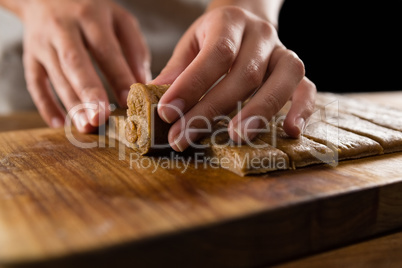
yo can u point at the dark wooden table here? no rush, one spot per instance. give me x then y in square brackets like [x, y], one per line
[314, 217]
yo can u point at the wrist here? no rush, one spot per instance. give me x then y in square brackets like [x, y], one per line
[265, 9]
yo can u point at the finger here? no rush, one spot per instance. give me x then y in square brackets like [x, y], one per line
[133, 44]
[41, 93]
[65, 92]
[107, 52]
[184, 53]
[286, 71]
[80, 73]
[303, 101]
[246, 75]
[217, 54]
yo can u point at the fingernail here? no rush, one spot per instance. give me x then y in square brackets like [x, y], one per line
[123, 97]
[82, 121]
[148, 74]
[57, 122]
[172, 111]
[184, 139]
[238, 132]
[179, 145]
[148, 77]
[92, 113]
[248, 128]
[97, 115]
[300, 123]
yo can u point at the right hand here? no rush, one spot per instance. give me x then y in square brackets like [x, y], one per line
[235, 43]
[59, 38]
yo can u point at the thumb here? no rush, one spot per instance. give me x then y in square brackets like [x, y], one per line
[184, 53]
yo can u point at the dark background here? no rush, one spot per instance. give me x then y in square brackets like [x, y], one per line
[346, 46]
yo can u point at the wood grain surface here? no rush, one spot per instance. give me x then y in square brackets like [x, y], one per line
[385, 251]
[21, 120]
[62, 205]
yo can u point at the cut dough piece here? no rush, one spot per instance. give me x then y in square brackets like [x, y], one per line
[117, 127]
[145, 131]
[301, 152]
[390, 140]
[346, 144]
[244, 159]
[380, 115]
[320, 142]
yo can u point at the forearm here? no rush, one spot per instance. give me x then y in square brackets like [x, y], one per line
[266, 9]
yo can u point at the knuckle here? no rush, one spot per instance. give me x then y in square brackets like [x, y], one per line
[296, 63]
[225, 50]
[88, 93]
[84, 10]
[105, 51]
[122, 16]
[311, 85]
[233, 13]
[71, 58]
[252, 74]
[211, 111]
[57, 23]
[197, 84]
[266, 29]
[272, 102]
[228, 13]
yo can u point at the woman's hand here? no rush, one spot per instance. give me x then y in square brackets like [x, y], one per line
[233, 42]
[61, 37]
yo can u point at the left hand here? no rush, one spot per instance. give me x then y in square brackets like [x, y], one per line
[233, 41]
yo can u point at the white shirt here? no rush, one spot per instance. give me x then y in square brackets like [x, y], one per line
[162, 23]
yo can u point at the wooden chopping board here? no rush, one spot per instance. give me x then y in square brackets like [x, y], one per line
[64, 205]
[58, 200]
